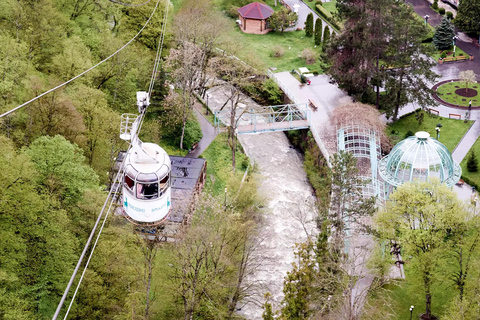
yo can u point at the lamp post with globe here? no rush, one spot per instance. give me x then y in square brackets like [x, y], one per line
[411, 312]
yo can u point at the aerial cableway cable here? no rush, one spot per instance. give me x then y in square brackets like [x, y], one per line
[86, 71]
[159, 53]
[109, 198]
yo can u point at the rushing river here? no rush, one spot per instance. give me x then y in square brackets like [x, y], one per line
[288, 213]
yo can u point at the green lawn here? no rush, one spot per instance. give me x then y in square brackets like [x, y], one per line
[405, 293]
[330, 6]
[447, 93]
[458, 52]
[450, 135]
[257, 49]
[472, 178]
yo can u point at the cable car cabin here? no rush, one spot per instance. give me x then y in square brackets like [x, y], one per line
[146, 184]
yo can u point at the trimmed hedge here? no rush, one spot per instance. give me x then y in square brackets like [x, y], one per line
[328, 16]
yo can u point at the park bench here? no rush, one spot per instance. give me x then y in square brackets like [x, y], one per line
[312, 105]
[458, 58]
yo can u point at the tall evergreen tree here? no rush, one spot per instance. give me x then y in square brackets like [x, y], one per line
[326, 37]
[472, 162]
[411, 69]
[318, 32]
[309, 25]
[442, 39]
[468, 16]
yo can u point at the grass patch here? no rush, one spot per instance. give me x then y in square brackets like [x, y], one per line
[458, 52]
[450, 134]
[404, 293]
[219, 164]
[329, 6]
[447, 93]
[293, 43]
[472, 178]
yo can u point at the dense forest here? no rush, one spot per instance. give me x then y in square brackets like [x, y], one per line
[57, 151]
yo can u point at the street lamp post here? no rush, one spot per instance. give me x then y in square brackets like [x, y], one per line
[208, 96]
[439, 125]
[225, 204]
[454, 46]
[411, 312]
[426, 18]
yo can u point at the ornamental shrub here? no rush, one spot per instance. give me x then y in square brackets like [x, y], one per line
[318, 32]
[472, 162]
[441, 11]
[450, 15]
[309, 25]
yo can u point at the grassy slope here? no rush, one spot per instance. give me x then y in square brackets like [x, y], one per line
[450, 134]
[408, 292]
[257, 50]
[219, 164]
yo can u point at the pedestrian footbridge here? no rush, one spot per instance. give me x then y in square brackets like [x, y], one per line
[265, 119]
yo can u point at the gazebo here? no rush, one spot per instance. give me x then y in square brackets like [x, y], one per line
[418, 158]
[253, 18]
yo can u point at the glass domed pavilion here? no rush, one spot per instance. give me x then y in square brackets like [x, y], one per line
[418, 158]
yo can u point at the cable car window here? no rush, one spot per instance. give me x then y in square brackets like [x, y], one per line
[129, 182]
[147, 190]
[164, 182]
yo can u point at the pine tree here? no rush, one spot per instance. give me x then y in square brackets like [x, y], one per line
[318, 32]
[472, 162]
[309, 25]
[444, 35]
[326, 37]
[468, 17]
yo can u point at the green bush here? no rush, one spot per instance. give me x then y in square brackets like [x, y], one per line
[327, 16]
[441, 11]
[271, 92]
[318, 3]
[443, 55]
[449, 15]
[309, 25]
[435, 5]
[409, 134]
[193, 134]
[232, 12]
[472, 162]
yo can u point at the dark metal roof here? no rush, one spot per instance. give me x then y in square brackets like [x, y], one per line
[256, 10]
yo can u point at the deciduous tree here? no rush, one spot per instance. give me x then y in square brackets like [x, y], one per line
[468, 16]
[282, 19]
[422, 216]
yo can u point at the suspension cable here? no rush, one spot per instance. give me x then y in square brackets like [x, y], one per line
[86, 71]
[159, 50]
[72, 278]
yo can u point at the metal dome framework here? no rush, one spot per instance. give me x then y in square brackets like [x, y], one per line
[419, 158]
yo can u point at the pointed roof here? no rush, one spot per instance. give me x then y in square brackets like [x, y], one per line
[256, 10]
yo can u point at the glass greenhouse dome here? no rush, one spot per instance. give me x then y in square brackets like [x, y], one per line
[418, 158]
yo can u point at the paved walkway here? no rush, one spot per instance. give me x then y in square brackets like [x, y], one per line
[208, 132]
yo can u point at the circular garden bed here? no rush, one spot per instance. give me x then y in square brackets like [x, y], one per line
[453, 93]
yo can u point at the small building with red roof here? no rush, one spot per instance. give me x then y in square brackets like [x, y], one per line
[253, 18]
